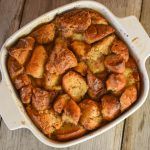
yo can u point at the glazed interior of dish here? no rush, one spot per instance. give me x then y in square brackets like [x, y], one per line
[73, 74]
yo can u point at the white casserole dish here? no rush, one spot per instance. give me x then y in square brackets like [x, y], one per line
[128, 28]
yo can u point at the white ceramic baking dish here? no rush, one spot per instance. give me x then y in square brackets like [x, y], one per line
[128, 28]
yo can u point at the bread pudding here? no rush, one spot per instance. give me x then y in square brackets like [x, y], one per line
[73, 74]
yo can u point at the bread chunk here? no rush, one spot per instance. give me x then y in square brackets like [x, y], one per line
[96, 32]
[21, 81]
[40, 99]
[116, 82]
[81, 68]
[61, 102]
[52, 81]
[44, 34]
[120, 48]
[74, 85]
[80, 48]
[71, 113]
[61, 58]
[14, 68]
[90, 114]
[22, 49]
[96, 86]
[26, 94]
[35, 67]
[96, 18]
[100, 48]
[128, 97]
[96, 66]
[115, 63]
[110, 107]
[73, 21]
[69, 132]
[47, 121]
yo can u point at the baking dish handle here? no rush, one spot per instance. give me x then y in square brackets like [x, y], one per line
[9, 110]
[137, 35]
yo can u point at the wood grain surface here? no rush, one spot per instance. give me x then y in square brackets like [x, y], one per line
[132, 134]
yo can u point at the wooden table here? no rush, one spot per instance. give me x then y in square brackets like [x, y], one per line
[132, 134]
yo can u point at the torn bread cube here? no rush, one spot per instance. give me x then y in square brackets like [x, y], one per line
[115, 63]
[21, 81]
[41, 99]
[35, 67]
[128, 97]
[120, 48]
[101, 48]
[44, 34]
[60, 102]
[96, 18]
[71, 112]
[96, 32]
[90, 114]
[61, 58]
[110, 107]
[80, 48]
[73, 21]
[52, 81]
[74, 85]
[47, 121]
[96, 86]
[22, 49]
[26, 94]
[14, 68]
[96, 66]
[81, 68]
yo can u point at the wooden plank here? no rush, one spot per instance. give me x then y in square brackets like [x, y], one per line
[22, 138]
[137, 127]
[10, 16]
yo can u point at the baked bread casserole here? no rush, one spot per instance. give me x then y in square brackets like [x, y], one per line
[73, 74]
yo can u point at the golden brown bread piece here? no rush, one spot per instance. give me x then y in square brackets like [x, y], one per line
[100, 48]
[26, 94]
[61, 58]
[128, 97]
[115, 63]
[96, 18]
[14, 68]
[60, 102]
[110, 107]
[96, 86]
[71, 113]
[52, 81]
[35, 67]
[22, 49]
[90, 114]
[21, 81]
[116, 82]
[44, 34]
[41, 99]
[96, 66]
[81, 68]
[47, 121]
[131, 73]
[69, 132]
[80, 48]
[73, 21]
[120, 48]
[96, 32]
[74, 85]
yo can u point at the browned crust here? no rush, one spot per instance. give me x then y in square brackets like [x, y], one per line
[35, 67]
[75, 85]
[61, 58]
